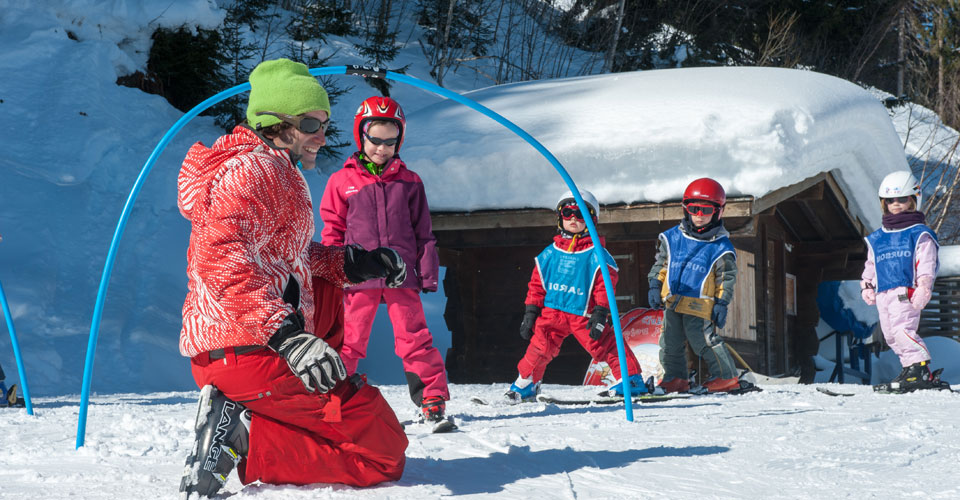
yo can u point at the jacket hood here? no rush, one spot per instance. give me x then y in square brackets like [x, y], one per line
[204, 166]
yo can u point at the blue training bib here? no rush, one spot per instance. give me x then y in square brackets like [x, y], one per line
[894, 253]
[568, 277]
[689, 261]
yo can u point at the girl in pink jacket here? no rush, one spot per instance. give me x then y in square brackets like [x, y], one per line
[374, 199]
[898, 276]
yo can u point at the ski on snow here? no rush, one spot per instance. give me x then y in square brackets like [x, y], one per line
[828, 392]
[443, 426]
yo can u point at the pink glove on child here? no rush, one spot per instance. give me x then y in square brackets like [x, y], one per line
[921, 294]
[868, 292]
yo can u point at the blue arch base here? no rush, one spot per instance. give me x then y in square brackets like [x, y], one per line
[332, 70]
[16, 351]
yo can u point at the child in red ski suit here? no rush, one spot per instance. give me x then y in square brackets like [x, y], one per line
[898, 277]
[375, 200]
[261, 317]
[565, 295]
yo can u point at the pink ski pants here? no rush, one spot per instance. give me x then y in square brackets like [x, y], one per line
[422, 362]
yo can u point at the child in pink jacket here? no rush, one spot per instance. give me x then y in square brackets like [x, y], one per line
[898, 277]
[375, 199]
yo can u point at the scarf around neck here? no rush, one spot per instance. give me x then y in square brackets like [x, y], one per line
[903, 220]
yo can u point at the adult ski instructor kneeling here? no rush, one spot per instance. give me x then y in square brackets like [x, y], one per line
[275, 401]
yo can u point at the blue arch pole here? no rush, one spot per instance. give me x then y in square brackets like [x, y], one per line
[331, 70]
[16, 350]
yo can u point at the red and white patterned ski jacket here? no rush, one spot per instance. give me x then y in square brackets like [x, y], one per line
[252, 226]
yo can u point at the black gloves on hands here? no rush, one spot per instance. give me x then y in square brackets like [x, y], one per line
[308, 356]
[598, 321]
[653, 296]
[530, 315]
[719, 314]
[360, 265]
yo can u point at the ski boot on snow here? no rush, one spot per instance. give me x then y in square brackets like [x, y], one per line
[637, 387]
[517, 394]
[914, 377]
[718, 384]
[675, 384]
[433, 409]
[222, 440]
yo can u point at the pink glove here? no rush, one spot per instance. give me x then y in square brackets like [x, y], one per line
[868, 292]
[921, 294]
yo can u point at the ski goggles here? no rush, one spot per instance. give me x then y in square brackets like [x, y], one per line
[900, 199]
[305, 124]
[377, 141]
[700, 209]
[572, 212]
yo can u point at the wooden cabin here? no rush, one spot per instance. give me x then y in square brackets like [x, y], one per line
[787, 241]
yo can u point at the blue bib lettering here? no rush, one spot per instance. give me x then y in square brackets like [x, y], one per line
[690, 261]
[894, 253]
[568, 277]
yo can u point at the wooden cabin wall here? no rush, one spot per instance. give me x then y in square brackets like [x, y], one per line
[486, 288]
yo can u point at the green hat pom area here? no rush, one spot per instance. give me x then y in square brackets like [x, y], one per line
[283, 86]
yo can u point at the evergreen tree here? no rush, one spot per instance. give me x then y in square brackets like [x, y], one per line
[308, 32]
[453, 30]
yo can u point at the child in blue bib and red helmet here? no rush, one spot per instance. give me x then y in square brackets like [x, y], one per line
[898, 277]
[565, 295]
[692, 279]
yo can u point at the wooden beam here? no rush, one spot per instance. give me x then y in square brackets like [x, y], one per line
[845, 204]
[816, 248]
[814, 220]
[785, 193]
[644, 212]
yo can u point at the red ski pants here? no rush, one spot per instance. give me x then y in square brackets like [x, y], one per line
[349, 435]
[552, 328]
[423, 364]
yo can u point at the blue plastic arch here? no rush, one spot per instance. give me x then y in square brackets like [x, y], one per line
[331, 70]
[16, 350]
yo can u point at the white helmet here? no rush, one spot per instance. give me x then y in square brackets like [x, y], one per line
[900, 183]
[587, 197]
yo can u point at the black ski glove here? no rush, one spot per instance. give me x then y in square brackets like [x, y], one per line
[598, 321]
[530, 315]
[719, 313]
[317, 364]
[360, 265]
[654, 295]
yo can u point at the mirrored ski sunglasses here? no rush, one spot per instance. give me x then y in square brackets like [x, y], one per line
[572, 212]
[305, 124]
[377, 141]
[699, 209]
[900, 199]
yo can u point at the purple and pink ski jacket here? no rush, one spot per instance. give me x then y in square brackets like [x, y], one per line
[386, 210]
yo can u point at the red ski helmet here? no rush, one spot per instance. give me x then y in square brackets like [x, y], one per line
[378, 108]
[705, 189]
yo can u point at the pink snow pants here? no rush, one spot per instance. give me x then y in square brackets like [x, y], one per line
[899, 322]
[422, 362]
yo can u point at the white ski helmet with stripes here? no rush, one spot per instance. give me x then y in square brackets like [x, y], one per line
[900, 183]
[587, 196]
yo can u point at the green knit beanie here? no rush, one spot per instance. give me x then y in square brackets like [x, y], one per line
[283, 86]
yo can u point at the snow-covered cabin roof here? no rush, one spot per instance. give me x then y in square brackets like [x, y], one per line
[643, 136]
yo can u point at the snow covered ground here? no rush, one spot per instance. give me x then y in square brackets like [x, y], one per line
[788, 441]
